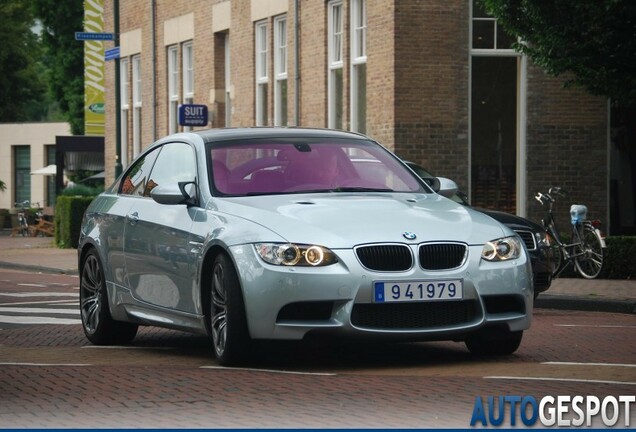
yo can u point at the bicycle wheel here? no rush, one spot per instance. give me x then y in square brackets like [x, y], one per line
[590, 263]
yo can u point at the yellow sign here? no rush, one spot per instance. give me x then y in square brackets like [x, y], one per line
[94, 79]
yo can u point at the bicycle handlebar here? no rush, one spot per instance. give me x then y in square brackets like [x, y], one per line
[543, 198]
[557, 191]
[548, 197]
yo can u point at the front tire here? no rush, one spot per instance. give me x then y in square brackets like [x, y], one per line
[99, 327]
[228, 323]
[494, 342]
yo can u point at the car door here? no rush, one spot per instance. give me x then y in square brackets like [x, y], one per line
[158, 266]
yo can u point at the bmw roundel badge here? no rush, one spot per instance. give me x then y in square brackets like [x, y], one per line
[409, 235]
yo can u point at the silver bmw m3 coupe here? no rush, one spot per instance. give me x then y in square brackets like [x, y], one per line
[277, 233]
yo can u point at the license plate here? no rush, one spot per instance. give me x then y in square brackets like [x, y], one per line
[417, 291]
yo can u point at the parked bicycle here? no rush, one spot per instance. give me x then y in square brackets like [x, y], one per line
[586, 243]
[23, 225]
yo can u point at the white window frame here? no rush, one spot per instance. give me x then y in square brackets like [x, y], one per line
[335, 59]
[188, 76]
[228, 87]
[494, 50]
[280, 70]
[358, 57]
[136, 102]
[262, 78]
[522, 109]
[173, 89]
[125, 108]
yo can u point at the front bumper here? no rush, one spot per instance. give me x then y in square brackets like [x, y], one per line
[289, 302]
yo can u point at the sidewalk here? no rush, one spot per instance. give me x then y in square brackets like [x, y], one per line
[603, 295]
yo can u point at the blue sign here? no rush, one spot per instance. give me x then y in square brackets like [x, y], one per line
[111, 54]
[193, 115]
[94, 36]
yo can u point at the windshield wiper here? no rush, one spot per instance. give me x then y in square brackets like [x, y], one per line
[360, 189]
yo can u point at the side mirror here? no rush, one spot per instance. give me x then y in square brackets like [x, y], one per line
[447, 187]
[174, 194]
[432, 182]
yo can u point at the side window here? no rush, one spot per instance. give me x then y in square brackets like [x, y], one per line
[176, 163]
[135, 180]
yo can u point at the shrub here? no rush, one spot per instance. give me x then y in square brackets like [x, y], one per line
[619, 260]
[69, 211]
[82, 190]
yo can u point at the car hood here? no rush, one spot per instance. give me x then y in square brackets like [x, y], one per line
[512, 221]
[343, 220]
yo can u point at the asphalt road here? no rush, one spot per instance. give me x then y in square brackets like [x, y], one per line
[50, 376]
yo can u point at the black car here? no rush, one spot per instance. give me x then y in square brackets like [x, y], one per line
[536, 238]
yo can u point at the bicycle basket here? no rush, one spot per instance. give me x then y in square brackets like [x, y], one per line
[578, 213]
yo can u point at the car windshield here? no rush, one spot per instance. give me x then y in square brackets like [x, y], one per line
[261, 167]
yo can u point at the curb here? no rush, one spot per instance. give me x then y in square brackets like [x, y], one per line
[40, 269]
[585, 304]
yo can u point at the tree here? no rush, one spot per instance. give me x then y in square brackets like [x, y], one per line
[64, 56]
[594, 40]
[22, 86]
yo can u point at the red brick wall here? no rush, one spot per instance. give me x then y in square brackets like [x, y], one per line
[567, 145]
[431, 86]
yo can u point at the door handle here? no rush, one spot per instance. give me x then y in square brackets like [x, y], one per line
[132, 218]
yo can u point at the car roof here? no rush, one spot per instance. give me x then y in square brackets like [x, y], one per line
[212, 135]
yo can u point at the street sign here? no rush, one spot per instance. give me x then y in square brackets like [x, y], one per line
[94, 36]
[193, 115]
[111, 54]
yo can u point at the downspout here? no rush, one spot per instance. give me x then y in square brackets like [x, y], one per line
[153, 31]
[118, 167]
[297, 62]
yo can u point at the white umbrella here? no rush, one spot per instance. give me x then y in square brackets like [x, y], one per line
[50, 170]
[99, 175]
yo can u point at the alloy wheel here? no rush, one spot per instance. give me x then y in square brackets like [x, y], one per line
[219, 310]
[91, 287]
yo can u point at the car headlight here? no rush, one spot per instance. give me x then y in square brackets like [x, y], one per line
[502, 249]
[289, 254]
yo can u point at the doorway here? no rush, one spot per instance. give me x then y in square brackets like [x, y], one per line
[494, 132]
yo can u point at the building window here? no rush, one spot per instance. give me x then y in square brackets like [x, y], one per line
[262, 79]
[125, 109]
[335, 94]
[173, 89]
[359, 66]
[136, 101]
[22, 170]
[188, 76]
[280, 71]
[487, 33]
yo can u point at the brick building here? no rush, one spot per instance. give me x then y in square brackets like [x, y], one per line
[435, 81]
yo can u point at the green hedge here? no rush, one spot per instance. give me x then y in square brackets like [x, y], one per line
[69, 211]
[619, 262]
